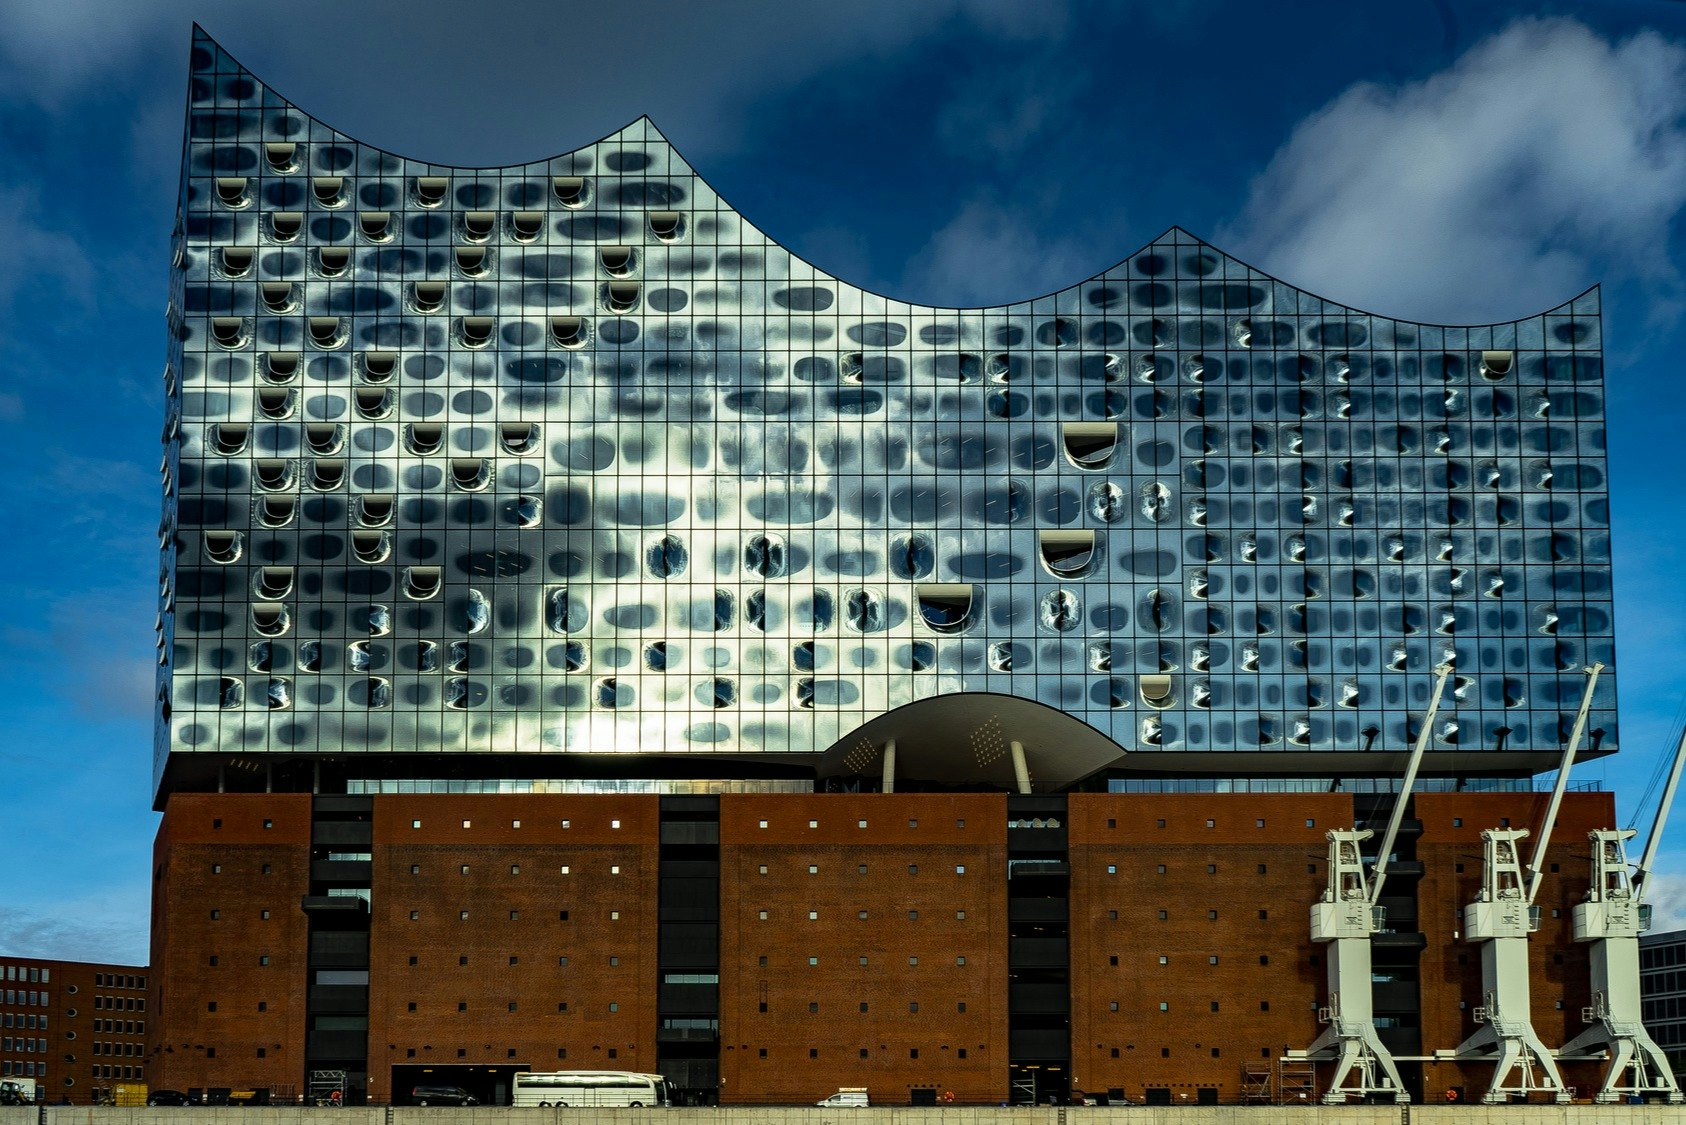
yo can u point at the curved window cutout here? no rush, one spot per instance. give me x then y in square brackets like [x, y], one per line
[427, 296]
[922, 656]
[456, 694]
[270, 619]
[273, 475]
[667, 226]
[371, 546]
[851, 367]
[1060, 610]
[325, 476]
[432, 190]
[473, 261]
[961, 368]
[1000, 368]
[1242, 333]
[1108, 502]
[724, 610]
[231, 692]
[477, 226]
[260, 657]
[1155, 689]
[237, 260]
[667, 557]
[357, 656]
[1068, 554]
[620, 296]
[528, 510]
[475, 331]
[424, 438]
[374, 509]
[1057, 333]
[611, 693]
[912, 556]
[946, 607]
[1001, 656]
[1156, 502]
[571, 191]
[717, 693]
[285, 226]
[864, 610]
[471, 474]
[276, 402]
[230, 438]
[805, 693]
[570, 331]
[477, 613]
[229, 331]
[802, 656]
[1100, 656]
[325, 438]
[427, 656]
[376, 692]
[280, 367]
[1496, 365]
[327, 332]
[1089, 445]
[283, 156]
[755, 610]
[224, 547]
[576, 657]
[526, 226]
[309, 658]
[618, 261]
[272, 583]
[278, 296]
[328, 190]
[764, 556]
[375, 225]
[333, 261]
[456, 657]
[422, 582]
[520, 438]
[276, 511]
[232, 193]
[564, 615]
[375, 402]
[379, 367]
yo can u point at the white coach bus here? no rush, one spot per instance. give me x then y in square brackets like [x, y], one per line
[603, 1088]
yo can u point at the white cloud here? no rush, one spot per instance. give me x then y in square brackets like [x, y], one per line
[1496, 188]
[1666, 892]
[108, 923]
[988, 254]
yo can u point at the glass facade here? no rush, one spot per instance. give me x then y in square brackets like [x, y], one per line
[569, 457]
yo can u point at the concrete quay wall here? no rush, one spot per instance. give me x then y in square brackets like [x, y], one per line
[951, 1115]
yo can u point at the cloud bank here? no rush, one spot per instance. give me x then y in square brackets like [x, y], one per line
[1496, 188]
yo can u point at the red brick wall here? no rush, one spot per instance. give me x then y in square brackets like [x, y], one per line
[809, 1040]
[1118, 844]
[87, 1017]
[221, 861]
[511, 947]
[1451, 968]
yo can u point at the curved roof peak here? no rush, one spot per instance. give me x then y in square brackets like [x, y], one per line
[639, 149]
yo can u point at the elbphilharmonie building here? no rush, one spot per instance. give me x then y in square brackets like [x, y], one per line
[569, 594]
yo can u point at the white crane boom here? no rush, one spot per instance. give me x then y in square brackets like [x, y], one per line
[1536, 864]
[1392, 834]
[1654, 841]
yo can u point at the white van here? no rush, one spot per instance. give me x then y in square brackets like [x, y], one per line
[850, 1097]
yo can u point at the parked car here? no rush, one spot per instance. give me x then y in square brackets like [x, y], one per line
[442, 1095]
[169, 1097]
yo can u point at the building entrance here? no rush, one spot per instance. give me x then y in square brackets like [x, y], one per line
[488, 1085]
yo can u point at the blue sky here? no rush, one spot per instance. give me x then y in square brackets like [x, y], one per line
[1428, 159]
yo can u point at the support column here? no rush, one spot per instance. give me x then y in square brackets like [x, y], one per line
[1021, 771]
[889, 783]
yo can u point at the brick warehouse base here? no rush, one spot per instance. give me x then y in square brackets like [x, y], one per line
[771, 949]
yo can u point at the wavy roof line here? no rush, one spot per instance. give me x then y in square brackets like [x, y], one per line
[1174, 234]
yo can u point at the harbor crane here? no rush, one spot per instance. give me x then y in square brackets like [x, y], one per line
[1346, 917]
[1500, 920]
[1611, 919]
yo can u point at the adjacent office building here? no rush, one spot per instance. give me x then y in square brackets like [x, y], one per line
[78, 1029]
[591, 636]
